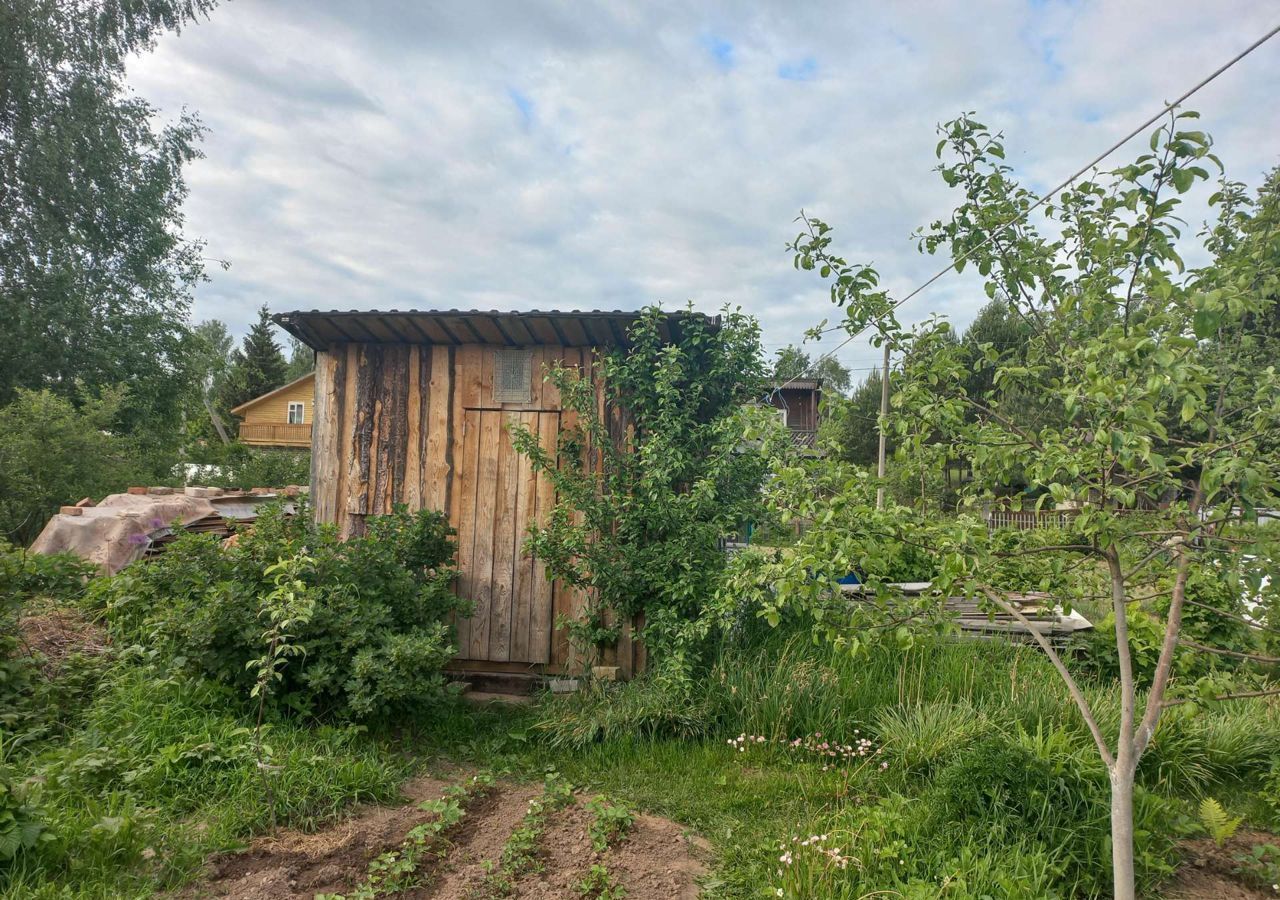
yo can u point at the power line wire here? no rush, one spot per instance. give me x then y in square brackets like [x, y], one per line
[1066, 183]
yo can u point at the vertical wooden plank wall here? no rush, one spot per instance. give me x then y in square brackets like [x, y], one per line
[416, 424]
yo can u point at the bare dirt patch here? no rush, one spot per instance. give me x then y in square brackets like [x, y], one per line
[1207, 872]
[296, 865]
[658, 859]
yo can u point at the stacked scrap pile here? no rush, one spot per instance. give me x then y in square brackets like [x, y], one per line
[984, 621]
[141, 523]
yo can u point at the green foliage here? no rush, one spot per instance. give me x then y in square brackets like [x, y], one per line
[237, 465]
[286, 608]
[302, 360]
[24, 577]
[520, 851]
[397, 870]
[598, 884]
[95, 274]
[846, 535]
[379, 635]
[258, 367]
[20, 829]
[158, 770]
[918, 739]
[55, 451]
[851, 427]
[1148, 386]
[610, 822]
[794, 362]
[639, 516]
[659, 703]
[1216, 822]
[1259, 866]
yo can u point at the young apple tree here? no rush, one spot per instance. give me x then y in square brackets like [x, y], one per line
[1157, 410]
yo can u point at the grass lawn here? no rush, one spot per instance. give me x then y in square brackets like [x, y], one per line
[976, 778]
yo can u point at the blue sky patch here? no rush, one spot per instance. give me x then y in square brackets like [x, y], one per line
[523, 103]
[721, 49]
[801, 70]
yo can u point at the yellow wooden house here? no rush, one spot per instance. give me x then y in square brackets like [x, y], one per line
[280, 418]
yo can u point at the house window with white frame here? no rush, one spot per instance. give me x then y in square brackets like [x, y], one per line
[296, 415]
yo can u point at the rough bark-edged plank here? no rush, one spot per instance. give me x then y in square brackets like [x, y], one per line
[439, 437]
[424, 422]
[346, 438]
[522, 637]
[505, 530]
[540, 620]
[468, 432]
[467, 371]
[323, 439]
[414, 419]
[340, 423]
[393, 437]
[362, 419]
[482, 560]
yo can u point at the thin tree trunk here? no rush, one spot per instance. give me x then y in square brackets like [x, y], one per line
[213, 417]
[884, 426]
[1122, 830]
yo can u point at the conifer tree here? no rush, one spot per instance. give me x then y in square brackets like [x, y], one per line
[259, 364]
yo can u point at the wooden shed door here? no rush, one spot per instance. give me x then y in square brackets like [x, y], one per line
[500, 496]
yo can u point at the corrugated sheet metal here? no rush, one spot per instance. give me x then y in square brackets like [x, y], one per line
[595, 328]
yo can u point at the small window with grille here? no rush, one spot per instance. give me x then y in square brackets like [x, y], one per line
[512, 376]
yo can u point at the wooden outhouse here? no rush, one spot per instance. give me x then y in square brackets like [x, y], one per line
[416, 408]
[798, 401]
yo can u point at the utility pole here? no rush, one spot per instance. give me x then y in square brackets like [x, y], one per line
[884, 424]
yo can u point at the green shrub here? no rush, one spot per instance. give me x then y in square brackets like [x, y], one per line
[239, 465]
[23, 577]
[54, 451]
[375, 645]
[1057, 799]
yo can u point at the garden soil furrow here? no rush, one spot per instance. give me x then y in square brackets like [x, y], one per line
[566, 855]
[293, 865]
[654, 861]
[480, 838]
[657, 860]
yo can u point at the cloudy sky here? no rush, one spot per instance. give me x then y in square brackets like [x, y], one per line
[574, 155]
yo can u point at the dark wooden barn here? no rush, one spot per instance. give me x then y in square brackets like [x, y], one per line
[417, 408]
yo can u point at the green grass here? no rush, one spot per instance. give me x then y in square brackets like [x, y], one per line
[940, 820]
[159, 771]
[979, 778]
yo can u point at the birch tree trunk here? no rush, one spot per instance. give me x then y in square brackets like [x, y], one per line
[1122, 831]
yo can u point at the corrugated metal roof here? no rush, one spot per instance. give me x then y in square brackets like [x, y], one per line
[320, 329]
[799, 384]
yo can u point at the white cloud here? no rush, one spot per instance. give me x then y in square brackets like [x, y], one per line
[565, 155]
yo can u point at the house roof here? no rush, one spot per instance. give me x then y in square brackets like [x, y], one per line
[799, 384]
[269, 394]
[594, 328]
